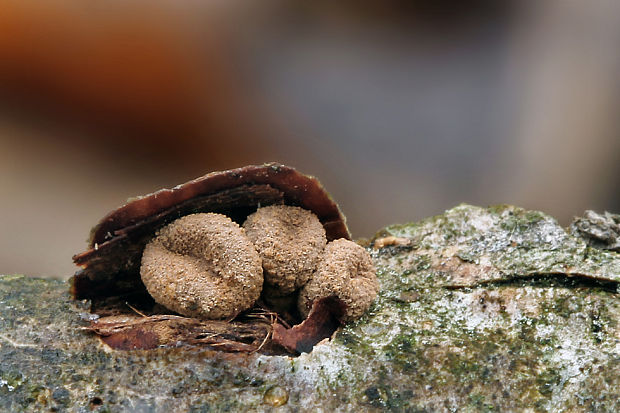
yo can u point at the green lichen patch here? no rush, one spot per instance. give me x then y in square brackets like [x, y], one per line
[476, 245]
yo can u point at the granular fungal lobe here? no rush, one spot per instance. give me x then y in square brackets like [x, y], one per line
[346, 272]
[290, 240]
[203, 266]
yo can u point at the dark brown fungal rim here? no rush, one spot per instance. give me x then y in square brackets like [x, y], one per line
[110, 268]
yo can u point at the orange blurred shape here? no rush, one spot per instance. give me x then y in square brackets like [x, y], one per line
[136, 67]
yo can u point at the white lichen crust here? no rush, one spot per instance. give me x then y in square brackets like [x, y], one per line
[347, 272]
[203, 266]
[290, 241]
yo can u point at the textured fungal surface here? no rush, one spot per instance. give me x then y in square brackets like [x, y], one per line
[484, 309]
[290, 240]
[202, 265]
[345, 271]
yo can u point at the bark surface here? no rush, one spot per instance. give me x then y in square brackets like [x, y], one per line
[480, 309]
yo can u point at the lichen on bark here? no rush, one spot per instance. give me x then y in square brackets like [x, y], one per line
[480, 310]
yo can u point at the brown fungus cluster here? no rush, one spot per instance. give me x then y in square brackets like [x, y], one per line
[241, 255]
[205, 266]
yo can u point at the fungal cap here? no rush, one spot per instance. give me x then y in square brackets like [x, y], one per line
[290, 241]
[203, 266]
[346, 272]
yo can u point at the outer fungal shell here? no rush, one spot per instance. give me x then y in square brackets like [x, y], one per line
[111, 266]
[346, 272]
[203, 266]
[290, 241]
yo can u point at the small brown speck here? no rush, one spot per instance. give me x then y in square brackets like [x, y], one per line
[391, 241]
[276, 396]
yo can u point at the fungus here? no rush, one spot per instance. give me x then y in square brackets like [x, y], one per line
[203, 266]
[290, 241]
[134, 288]
[346, 272]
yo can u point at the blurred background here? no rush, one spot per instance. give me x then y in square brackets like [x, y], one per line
[402, 108]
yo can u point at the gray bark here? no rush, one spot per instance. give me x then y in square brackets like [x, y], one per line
[495, 309]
